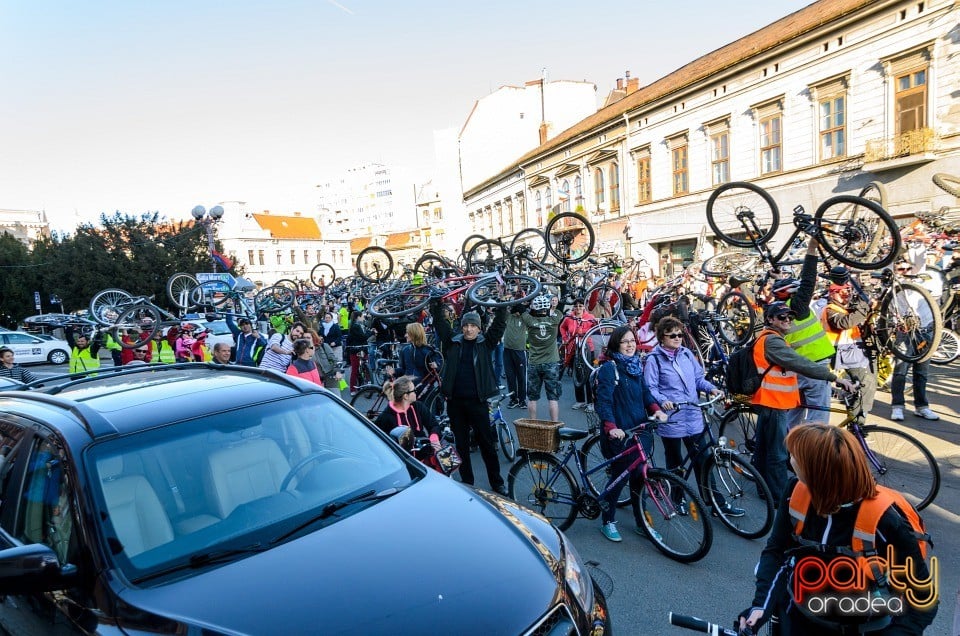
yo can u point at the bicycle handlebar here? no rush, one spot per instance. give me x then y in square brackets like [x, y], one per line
[700, 405]
[700, 625]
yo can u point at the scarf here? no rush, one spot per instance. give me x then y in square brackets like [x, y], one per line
[631, 365]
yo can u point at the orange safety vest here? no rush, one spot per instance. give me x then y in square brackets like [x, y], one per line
[839, 336]
[864, 539]
[778, 388]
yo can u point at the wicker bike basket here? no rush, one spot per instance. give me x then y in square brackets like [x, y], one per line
[539, 435]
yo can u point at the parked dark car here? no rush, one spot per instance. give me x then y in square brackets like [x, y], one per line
[192, 499]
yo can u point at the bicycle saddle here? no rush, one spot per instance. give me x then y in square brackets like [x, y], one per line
[736, 281]
[572, 433]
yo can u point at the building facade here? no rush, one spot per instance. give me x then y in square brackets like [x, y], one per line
[26, 226]
[825, 101]
[370, 199]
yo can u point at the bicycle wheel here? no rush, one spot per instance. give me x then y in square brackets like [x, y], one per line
[591, 456]
[393, 304]
[742, 264]
[742, 214]
[947, 183]
[272, 300]
[179, 287]
[514, 289]
[876, 192]
[540, 482]
[508, 442]
[949, 348]
[580, 371]
[569, 237]
[436, 402]
[531, 242]
[139, 323]
[732, 482]
[594, 343]
[737, 319]
[901, 462]
[213, 293]
[370, 401]
[489, 255]
[323, 275]
[468, 244]
[107, 305]
[427, 262]
[374, 264]
[857, 232]
[682, 537]
[910, 324]
[739, 427]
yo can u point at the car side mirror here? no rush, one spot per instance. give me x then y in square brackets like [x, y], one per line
[33, 568]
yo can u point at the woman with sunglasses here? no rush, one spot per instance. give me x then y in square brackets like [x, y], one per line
[303, 364]
[620, 392]
[674, 375]
[404, 410]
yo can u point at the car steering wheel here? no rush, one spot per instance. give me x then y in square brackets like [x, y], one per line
[299, 466]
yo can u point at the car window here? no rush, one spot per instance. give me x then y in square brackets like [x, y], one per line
[21, 338]
[46, 515]
[231, 478]
[10, 436]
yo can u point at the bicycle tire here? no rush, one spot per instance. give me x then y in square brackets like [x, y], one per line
[729, 479]
[370, 401]
[594, 343]
[497, 257]
[580, 372]
[319, 275]
[107, 305]
[179, 287]
[139, 323]
[468, 244]
[532, 238]
[508, 442]
[900, 326]
[427, 262]
[905, 464]
[540, 482]
[739, 427]
[561, 248]
[215, 293]
[397, 303]
[374, 264]
[755, 203]
[288, 283]
[948, 183]
[948, 350]
[876, 192]
[725, 264]
[590, 456]
[436, 402]
[593, 295]
[738, 318]
[515, 289]
[273, 299]
[857, 232]
[682, 537]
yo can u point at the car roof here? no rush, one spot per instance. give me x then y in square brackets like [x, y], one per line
[145, 396]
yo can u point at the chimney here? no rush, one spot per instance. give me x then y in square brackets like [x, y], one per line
[543, 133]
[619, 83]
[296, 214]
[633, 83]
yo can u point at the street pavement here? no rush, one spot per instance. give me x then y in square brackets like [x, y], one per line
[645, 585]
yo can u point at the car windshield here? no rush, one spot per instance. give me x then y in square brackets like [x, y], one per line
[172, 496]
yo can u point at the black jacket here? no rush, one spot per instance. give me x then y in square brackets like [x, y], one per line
[482, 359]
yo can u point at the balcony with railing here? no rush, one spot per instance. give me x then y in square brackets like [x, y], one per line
[911, 147]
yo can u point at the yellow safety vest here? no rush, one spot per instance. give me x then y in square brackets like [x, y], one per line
[808, 338]
[82, 360]
[161, 353]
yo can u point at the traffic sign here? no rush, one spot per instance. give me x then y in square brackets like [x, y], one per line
[36, 299]
[205, 277]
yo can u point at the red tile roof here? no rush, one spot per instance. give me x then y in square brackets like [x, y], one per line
[398, 239]
[288, 227]
[358, 244]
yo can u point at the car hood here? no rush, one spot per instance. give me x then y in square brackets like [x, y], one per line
[437, 557]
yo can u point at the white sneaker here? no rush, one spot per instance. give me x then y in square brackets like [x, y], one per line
[896, 414]
[579, 405]
[927, 414]
[588, 408]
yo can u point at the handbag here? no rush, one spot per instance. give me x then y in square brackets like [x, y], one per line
[448, 459]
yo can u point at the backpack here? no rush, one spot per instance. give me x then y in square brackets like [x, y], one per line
[742, 375]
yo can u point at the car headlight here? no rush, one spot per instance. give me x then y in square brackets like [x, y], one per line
[577, 578]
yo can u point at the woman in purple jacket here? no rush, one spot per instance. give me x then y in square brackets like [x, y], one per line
[674, 375]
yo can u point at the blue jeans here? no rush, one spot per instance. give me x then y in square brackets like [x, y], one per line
[898, 383]
[771, 455]
[814, 393]
[497, 360]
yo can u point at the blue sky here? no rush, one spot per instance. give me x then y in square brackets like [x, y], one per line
[142, 106]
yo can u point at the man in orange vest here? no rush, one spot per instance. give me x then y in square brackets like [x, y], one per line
[841, 318]
[779, 392]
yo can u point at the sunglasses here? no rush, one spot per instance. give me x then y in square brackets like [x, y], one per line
[784, 317]
[140, 352]
[673, 335]
[410, 391]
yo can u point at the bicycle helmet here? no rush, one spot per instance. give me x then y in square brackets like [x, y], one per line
[839, 275]
[540, 303]
[187, 326]
[785, 288]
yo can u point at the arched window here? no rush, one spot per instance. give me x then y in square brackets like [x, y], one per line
[549, 200]
[578, 191]
[565, 196]
[598, 189]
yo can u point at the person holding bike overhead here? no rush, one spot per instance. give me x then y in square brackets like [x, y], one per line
[834, 509]
[577, 323]
[621, 390]
[673, 375]
[842, 318]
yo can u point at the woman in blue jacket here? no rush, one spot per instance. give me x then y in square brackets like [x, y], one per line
[620, 391]
[674, 375]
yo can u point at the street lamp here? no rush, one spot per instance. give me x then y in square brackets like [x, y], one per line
[208, 220]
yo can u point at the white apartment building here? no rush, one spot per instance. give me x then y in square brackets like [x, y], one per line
[370, 199]
[272, 246]
[825, 101]
[26, 226]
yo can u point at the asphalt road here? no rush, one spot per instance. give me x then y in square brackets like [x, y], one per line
[647, 585]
